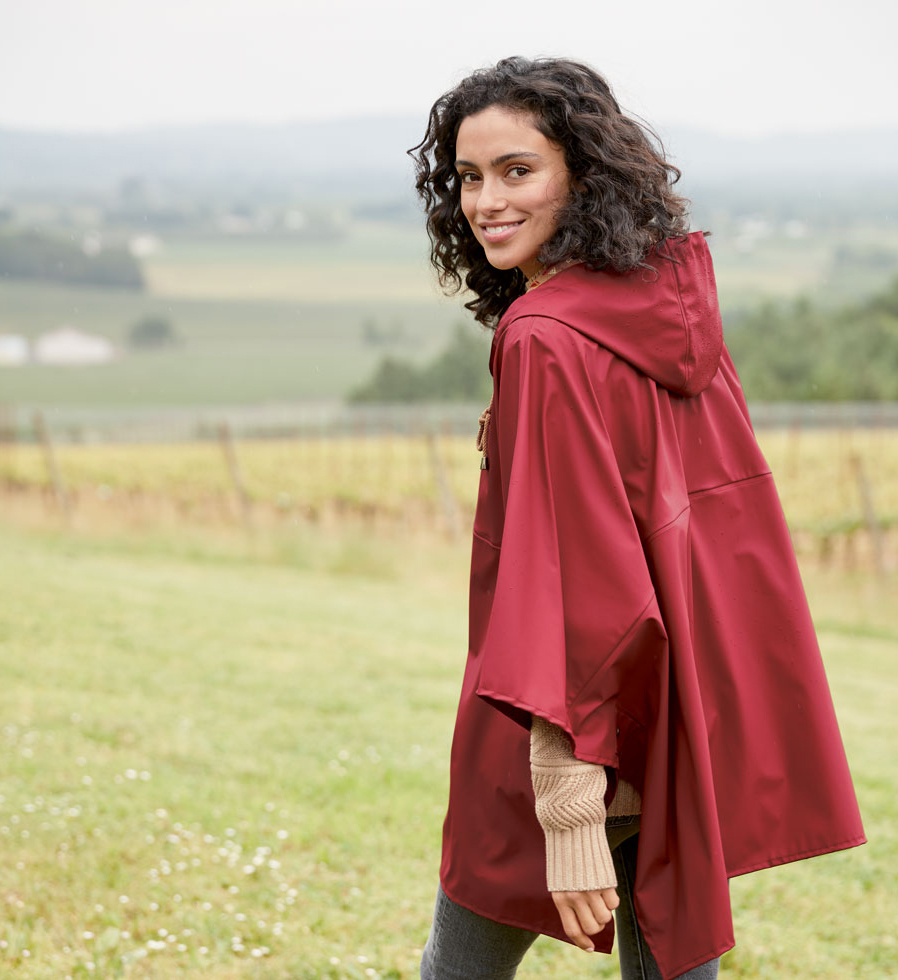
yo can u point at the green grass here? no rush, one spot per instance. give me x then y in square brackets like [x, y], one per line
[178, 709]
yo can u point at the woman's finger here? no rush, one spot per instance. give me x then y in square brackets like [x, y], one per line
[582, 907]
[610, 897]
[599, 910]
[571, 924]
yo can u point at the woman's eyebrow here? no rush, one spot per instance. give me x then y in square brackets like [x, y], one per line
[500, 160]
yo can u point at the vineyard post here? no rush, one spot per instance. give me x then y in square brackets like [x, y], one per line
[7, 426]
[325, 481]
[331, 449]
[7, 423]
[846, 454]
[793, 439]
[359, 470]
[447, 499]
[450, 459]
[226, 440]
[301, 461]
[385, 444]
[59, 491]
[870, 517]
[412, 441]
[879, 423]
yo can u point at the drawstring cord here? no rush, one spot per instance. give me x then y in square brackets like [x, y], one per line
[483, 434]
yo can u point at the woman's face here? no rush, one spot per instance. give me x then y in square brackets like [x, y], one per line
[513, 181]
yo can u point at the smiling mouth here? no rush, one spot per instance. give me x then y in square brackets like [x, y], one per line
[497, 233]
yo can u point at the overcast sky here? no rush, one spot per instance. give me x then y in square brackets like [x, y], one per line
[746, 68]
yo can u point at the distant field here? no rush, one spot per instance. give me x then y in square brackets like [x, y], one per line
[233, 352]
[389, 263]
[831, 268]
[374, 264]
[229, 760]
[282, 320]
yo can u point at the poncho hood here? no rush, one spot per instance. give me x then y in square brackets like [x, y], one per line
[664, 320]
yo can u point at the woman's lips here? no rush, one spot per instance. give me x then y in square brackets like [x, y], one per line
[500, 233]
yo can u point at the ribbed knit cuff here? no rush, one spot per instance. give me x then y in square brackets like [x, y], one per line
[579, 860]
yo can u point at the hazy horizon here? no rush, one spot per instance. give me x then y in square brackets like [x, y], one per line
[793, 66]
[661, 125]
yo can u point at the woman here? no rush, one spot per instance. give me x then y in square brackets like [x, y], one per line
[644, 712]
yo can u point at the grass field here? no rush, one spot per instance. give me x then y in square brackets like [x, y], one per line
[228, 758]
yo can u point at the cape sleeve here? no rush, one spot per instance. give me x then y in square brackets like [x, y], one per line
[573, 627]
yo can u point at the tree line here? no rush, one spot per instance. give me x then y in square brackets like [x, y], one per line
[794, 352]
[458, 373]
[802, 353]
[31, 255]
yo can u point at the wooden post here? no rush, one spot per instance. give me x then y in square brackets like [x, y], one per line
[386, 454]
[793, 439]
[7, 423]
[870, 518]
[409, 494]
[449, 458]
[447, 499]
[7, 430]
[234, 471]
[59, 492]
[359, 475]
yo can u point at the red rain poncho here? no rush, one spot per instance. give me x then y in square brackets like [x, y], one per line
[633, 581]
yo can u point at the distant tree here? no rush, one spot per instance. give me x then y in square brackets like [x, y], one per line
[459, 373]
[885, 301]
[375, 335]
[30, 255]
[151, 332]
[371, 335]
[800, 353]
[393, 381]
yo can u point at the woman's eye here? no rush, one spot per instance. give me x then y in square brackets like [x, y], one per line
[467, 177]
[519, 171]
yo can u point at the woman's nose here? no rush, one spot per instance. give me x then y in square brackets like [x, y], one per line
[491, 197]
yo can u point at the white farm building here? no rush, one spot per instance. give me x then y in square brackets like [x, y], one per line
[66, 345]
[13, 350]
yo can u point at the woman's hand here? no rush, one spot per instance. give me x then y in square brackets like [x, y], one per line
[583, 914]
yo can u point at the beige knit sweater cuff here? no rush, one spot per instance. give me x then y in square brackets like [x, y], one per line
[570, 807]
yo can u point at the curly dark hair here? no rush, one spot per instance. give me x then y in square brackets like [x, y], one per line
[621, 204]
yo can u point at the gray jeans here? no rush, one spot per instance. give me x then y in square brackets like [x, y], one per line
[465, 946]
